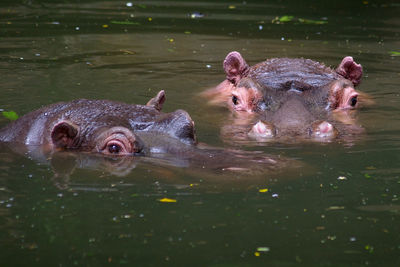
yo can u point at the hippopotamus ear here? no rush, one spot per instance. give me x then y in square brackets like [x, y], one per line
[157, 101]
[235, 67]
[64, 134]
[349, 69]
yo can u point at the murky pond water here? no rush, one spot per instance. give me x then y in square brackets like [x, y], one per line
[340, 208]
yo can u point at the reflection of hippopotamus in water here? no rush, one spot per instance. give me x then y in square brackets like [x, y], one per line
[291, 97]
[109, 128]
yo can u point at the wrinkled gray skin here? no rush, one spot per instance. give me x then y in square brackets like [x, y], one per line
[55, 134]
[101, 126]
[291, 96]
[104, 127]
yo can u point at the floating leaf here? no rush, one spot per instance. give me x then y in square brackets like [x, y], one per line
[367, 176]
[126, 22]
[369, 248]
[394, 53]
[167, 200]
[263, 190]
[286, 18]
[263, 249]
[11, 115]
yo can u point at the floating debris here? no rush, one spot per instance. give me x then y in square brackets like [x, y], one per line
[287, 18]
[126, 22]
[11, 115]
[167, 200]
[283, 19]
[367, 176]
[335, 208]
[310, 21]
[394, 53]
[196, 15]
[263, 249]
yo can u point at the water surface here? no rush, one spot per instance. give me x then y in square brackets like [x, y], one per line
[341, 208]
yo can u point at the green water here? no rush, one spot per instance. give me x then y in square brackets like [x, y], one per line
[75, 213]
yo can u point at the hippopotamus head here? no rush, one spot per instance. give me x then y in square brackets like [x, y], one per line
[101, 126]
[291, 97]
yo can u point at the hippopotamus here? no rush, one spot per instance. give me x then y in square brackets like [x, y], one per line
[119, 135]
[291, 97]
[102, 126]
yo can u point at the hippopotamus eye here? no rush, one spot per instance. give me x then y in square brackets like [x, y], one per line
[353, 101]
[235, 100]
[114, 148]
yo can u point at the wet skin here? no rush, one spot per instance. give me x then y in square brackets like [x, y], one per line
[100, 126]
[119, 130]
[290, 97]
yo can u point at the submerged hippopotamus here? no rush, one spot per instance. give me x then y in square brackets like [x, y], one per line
[291, 97]
[102, 126]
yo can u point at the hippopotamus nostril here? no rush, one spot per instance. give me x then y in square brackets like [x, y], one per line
[262, 130]
[323, 130]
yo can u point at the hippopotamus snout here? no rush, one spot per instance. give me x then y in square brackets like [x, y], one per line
[177, 124]
[293, 118]
[184, 126]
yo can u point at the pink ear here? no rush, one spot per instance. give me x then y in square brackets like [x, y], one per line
[349, 69]
[235, 66]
